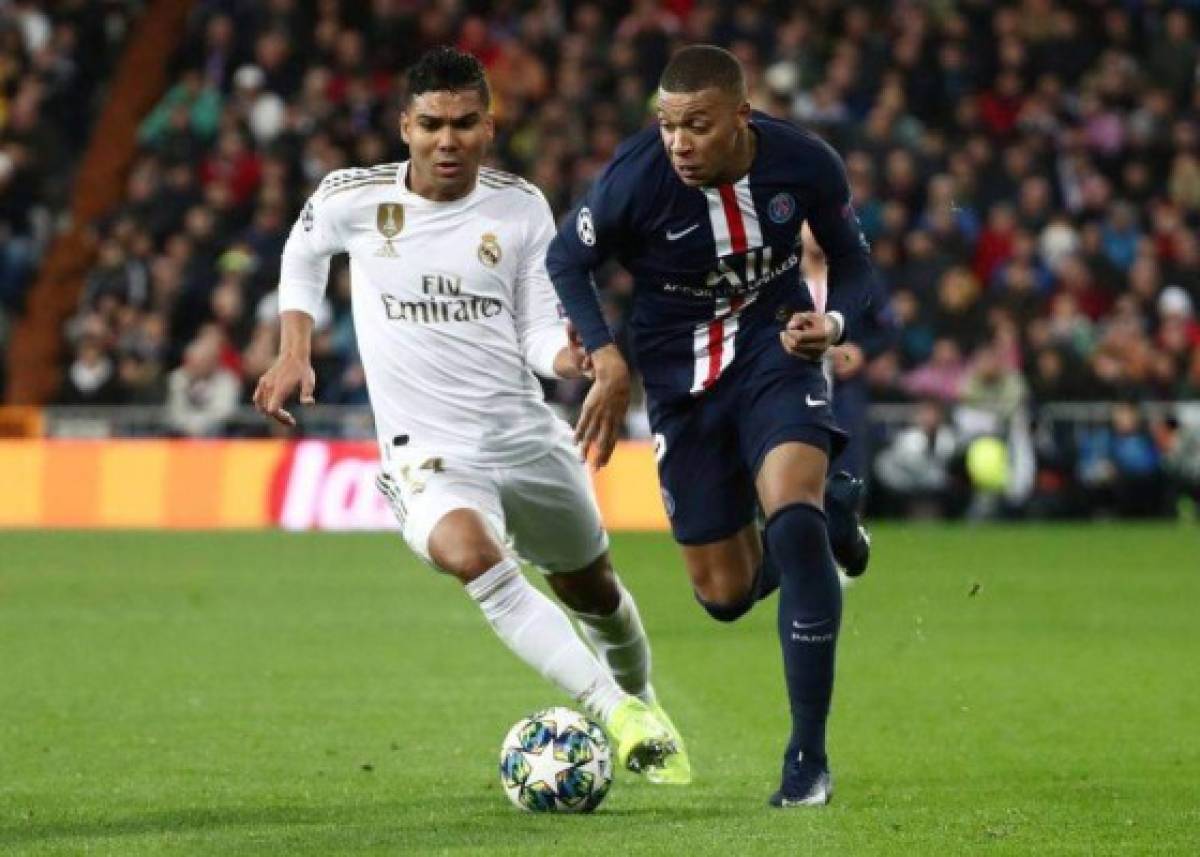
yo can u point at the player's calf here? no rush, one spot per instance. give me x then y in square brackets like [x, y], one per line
[725, 573]
[848, 537]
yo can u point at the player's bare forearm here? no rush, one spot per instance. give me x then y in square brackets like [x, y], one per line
[291, 369]
[295, 334]
[603, 411]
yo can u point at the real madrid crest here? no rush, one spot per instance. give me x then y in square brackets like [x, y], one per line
[389, 220]
[489, 250]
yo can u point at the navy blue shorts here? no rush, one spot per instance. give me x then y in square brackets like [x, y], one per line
[709, 448]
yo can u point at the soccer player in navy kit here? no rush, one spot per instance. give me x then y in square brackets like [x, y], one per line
[705, 212]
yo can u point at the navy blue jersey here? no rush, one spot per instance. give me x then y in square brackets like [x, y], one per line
[713, 267]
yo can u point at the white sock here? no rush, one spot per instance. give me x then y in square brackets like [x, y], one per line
[540, 634]
[620, 641]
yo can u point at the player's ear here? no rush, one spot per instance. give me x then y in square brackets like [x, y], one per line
[489, 124]
[743, 114]
[404, 120]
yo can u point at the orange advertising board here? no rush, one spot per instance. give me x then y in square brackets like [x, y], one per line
[229, 484]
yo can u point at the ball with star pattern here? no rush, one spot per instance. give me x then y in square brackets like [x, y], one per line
[556, 760]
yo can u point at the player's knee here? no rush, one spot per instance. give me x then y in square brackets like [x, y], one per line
[467, 562]
[792, 473]
[724, 600]
[461, 547]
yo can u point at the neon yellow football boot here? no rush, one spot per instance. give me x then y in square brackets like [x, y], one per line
[676, 769]
[643, 742]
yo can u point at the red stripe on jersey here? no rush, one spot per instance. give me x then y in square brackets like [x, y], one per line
[733, 216]
[716, 341]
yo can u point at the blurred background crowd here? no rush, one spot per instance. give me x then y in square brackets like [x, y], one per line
[1028, 174]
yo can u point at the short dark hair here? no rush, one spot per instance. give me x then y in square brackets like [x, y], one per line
[447, 69]
[698, 67]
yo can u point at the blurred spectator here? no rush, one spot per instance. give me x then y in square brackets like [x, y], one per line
[1179, 444]
[191, 109]
[942, 377]
[1119, 465]
[992, 386]
[202, 394]
[915, 467]
[91, 379]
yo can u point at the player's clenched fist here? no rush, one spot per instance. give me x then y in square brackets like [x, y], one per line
[603, 411]
[279, 382]
[809, 334]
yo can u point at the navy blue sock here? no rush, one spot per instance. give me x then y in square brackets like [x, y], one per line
[810, 613]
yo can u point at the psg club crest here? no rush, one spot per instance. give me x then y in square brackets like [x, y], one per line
[781, 208]
[489, 250]
[389, 220]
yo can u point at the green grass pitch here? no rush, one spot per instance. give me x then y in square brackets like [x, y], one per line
[1000, 691]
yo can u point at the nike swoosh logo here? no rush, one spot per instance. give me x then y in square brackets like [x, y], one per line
[675, 236]
[806, 626]
[815, 403]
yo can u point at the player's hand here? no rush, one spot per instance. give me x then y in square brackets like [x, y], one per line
[848, 360]
[279, 382]
[809, 335]
[603, 411]
[573, 361]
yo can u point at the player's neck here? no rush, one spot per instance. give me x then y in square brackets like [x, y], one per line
[425, 188]
[744, 151]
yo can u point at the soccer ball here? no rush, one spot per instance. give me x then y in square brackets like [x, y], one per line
[555, 760]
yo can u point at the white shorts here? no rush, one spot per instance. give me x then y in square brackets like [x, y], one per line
[545, 509]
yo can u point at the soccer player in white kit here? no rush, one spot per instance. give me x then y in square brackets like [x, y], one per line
[454, 312]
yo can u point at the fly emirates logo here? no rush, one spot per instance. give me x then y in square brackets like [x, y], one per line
[442, 302]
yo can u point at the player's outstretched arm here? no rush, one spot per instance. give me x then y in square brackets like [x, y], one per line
[603, 411]
[835, 226]
[291, 369]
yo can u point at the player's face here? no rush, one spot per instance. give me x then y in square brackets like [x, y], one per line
[447, 133]
[704, 133]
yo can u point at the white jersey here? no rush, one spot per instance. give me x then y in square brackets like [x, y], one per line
[452, 308]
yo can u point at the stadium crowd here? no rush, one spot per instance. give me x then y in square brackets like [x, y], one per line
[51, 58]
[1028, 174]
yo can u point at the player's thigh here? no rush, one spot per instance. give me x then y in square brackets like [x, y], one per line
[787, 432]
[551, 512]
[449, 513]
[707, 490]
[723, 571]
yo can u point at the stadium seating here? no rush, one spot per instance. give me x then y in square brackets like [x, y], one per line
[1029, 179]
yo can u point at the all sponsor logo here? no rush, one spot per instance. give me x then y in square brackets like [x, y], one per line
[329, 486]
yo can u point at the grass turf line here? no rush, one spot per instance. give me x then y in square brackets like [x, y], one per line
[272, 693]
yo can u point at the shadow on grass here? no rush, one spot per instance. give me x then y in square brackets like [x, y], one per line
[440, 820]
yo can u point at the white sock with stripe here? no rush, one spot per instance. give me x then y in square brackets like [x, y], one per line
[540, 634]
[620, 641]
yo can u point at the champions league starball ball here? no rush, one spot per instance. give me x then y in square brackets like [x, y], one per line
[556, 760]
